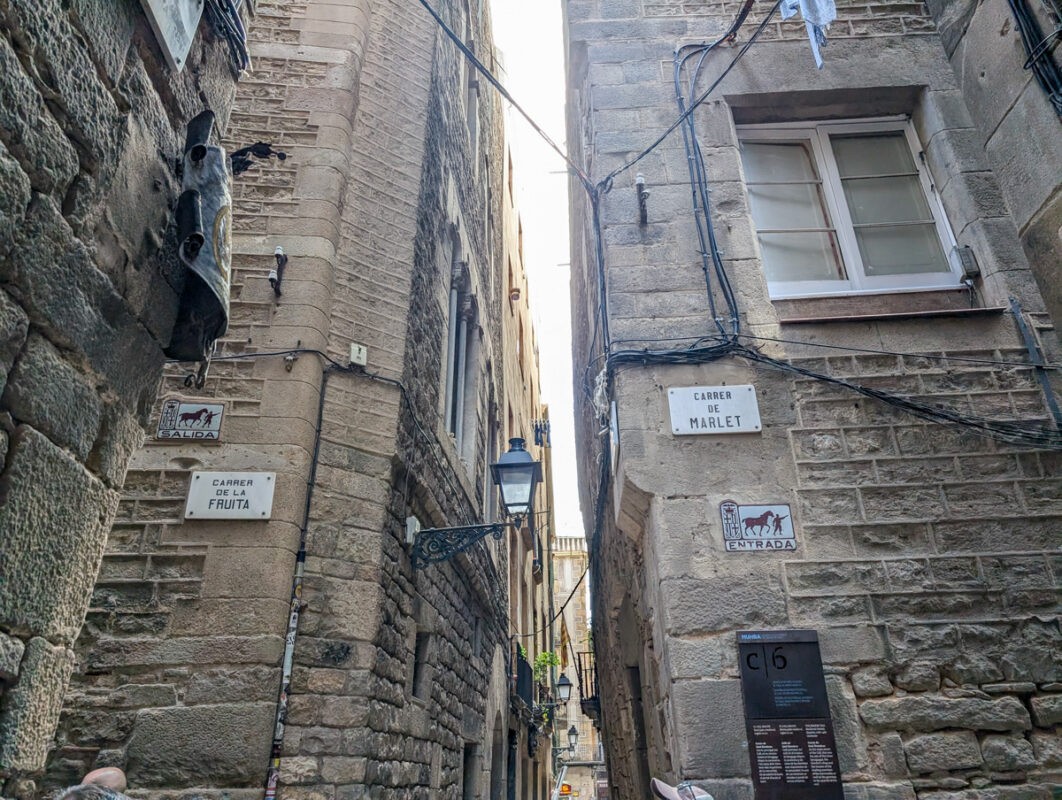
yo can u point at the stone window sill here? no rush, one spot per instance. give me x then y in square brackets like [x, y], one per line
[847, 308]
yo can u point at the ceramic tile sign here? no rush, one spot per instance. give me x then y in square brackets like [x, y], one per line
[174, 23]
[190, 420]
[699, 410]
[754, 528]
[230, 495]
[792, 749]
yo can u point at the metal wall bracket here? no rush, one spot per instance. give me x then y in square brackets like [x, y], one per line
[433, 545]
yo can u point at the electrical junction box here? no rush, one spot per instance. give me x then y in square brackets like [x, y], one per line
[412, 529]
[359, 354]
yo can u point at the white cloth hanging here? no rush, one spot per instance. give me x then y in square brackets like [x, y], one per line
[817, 16]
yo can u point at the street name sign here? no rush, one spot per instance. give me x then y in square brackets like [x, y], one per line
[699, 410]
[230, 495]
[175, 23]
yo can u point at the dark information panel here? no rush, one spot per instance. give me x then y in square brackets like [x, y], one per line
[787, 716]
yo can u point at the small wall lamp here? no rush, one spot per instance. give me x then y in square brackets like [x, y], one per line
[643, 196]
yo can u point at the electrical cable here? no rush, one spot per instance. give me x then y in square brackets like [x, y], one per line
[357, 370]
[1000, 430]
[556, 616]
[224, 18]
[851, 349]
[493, 81]
[607, 180]
[1038, 49]
[930, 356]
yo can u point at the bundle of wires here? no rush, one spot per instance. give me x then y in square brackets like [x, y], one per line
[224, 18]
[1040, 48]
[687, 100]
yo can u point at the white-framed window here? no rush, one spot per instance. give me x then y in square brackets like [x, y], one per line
[844, 207]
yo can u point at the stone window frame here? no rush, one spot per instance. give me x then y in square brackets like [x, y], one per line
[463, 343]
[422, 645]
[817, 131]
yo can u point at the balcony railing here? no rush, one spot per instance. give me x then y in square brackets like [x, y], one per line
[589, 700]
[525, 681]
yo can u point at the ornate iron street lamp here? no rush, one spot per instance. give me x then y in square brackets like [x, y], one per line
[573, 741]
[517, 475]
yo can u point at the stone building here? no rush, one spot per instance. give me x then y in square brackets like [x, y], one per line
[363, 388]
[570, 564]
[862, 263]
[522, 414]
[92, 123]
[1017, 120]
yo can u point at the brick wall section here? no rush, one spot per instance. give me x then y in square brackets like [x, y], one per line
[91, 122]
[944, 562]
[854, 19]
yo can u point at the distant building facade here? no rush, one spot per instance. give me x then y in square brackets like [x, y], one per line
[364, 385]
[92, 125]
[574, 641]
[848, 207]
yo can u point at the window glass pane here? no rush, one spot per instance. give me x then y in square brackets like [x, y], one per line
[777, 161]
[872, 154]
[901, 250]
[791, 205]
[801, 257]
[873, 200]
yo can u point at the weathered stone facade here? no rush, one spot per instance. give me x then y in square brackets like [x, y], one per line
[1015, 120]
[91, 126]
[400, 680]
[927, 555]
[570, 563]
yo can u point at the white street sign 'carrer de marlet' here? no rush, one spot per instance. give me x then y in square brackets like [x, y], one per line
[230, 495]
[713, 409]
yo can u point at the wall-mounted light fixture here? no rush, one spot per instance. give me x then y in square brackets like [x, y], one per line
[643, 197]
[573, 741]
[517, 475]
[276, 275]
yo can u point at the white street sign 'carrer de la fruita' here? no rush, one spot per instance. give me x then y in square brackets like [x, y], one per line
[230, 495]
[713, 409]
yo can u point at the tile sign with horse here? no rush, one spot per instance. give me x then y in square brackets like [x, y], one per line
[757, 528]
[183, 420]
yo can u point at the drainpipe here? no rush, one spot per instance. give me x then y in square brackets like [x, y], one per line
[273, 774]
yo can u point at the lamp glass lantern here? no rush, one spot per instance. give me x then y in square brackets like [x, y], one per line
[564, 689]
[517, 475]
[573, 739]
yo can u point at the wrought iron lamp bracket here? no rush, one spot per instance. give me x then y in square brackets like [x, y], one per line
[433, 545]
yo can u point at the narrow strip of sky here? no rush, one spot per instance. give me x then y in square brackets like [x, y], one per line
[530, 37]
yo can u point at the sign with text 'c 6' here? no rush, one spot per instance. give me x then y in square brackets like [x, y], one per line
[787, 716]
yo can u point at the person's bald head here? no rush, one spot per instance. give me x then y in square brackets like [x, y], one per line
[107, 777]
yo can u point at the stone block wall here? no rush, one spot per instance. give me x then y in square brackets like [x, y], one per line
[1016, 121]
[179, 668]
[91, 122]
[927, 555]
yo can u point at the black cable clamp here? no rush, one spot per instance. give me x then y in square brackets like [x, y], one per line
[243, 159]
